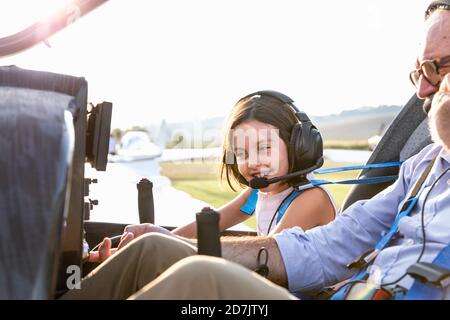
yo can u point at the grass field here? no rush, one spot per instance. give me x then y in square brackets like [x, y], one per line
[346, 144]
[200, 180]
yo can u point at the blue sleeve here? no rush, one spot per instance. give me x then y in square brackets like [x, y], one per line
[250, 205]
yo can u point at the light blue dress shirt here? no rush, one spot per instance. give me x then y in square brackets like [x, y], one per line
[318, 257]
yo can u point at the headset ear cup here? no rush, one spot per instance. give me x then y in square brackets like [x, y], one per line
[313, 145]
[317, 144]
[295, 147]
[306, 146]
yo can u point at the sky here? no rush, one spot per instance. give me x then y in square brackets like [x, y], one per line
[184, 60]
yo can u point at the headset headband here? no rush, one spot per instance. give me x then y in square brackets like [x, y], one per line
[283, 98]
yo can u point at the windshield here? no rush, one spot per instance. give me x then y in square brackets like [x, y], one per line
[188, 59]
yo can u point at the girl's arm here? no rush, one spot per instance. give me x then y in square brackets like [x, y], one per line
[230, 215]
[310, 209]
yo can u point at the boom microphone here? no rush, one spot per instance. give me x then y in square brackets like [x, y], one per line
[263, 182]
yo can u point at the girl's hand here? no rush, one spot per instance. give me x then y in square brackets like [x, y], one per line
[130, 233]
[105, 251]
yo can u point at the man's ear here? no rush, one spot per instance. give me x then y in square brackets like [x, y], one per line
[440, 114]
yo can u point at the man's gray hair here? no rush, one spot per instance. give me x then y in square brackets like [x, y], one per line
[435, 5]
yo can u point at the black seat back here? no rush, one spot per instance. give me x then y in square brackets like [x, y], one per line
[41, 178]
[407, 135]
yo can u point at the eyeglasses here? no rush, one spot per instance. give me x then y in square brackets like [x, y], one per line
[431, 71]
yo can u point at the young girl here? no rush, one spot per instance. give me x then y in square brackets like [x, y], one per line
[258, 143]
[264, 139]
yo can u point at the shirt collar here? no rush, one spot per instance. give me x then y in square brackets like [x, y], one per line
[444, 155]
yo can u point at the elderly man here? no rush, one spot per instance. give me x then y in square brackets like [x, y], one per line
[373, 242]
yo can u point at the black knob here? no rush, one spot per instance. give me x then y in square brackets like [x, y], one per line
[146, 205]
[208, 232]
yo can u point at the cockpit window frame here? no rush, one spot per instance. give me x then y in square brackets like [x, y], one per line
[40, 31]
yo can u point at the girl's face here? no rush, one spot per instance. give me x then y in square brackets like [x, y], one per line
[260, 152]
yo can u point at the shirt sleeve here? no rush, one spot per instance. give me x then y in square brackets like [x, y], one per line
[318, 257]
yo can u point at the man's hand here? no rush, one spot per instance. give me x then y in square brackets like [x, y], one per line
[440, 114]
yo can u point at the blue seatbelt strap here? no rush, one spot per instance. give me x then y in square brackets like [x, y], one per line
[369, 180]
[286, 203]
[340, 295]
[394, 228]
[313, 183]
[316, 182]
[250, 205]
[422, 291]
[367, 166]
[407, 208]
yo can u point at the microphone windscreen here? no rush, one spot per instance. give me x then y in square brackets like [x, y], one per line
[259, 183]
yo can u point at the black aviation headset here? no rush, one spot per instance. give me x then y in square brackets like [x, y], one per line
[305, 145]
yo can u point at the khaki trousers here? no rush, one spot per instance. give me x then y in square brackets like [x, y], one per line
[160, 267]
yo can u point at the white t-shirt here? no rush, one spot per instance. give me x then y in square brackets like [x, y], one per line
[266, 209]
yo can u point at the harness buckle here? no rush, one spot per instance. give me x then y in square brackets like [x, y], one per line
[406, 204]
[363, 259]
